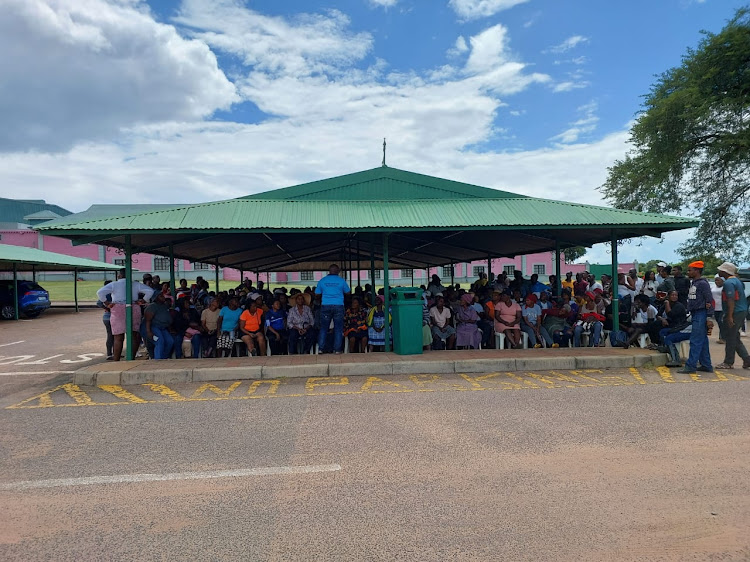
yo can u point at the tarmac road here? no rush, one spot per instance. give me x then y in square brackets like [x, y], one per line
[618, 471]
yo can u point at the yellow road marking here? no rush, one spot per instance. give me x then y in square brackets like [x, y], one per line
[637, 375]
[166, 391]
[120, 392]
[369, 385]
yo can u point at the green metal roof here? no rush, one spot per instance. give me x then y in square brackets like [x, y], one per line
[14, 210]
[306, 215]
[383, 184]
[430, 221]
[25, 258]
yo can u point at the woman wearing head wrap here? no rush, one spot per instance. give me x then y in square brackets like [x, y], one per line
[467, 332]
[376, 324]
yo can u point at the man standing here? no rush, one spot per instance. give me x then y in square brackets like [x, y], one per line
[332, 288]
[681, 284]
[734, 304]
[700, 305]
[118, 308]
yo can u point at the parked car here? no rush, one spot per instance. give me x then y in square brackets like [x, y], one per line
[32, 299]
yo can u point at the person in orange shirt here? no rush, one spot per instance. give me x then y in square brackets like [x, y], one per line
[251, 327]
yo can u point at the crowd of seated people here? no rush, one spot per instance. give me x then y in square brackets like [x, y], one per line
[512, 311]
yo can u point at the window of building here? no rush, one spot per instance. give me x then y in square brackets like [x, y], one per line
[447, 271]
[307, 276]
[509, 269]
[120, 262]
[201, 266]
[378, 274]
[161, 264]
[539, 269]
[478, 269]
[407, 273]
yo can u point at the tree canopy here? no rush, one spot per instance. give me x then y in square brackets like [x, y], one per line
[691, 145]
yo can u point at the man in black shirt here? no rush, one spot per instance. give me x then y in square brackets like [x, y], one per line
[681, 284]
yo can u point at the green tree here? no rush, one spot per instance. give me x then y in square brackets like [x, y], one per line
[574, 254]
[691, 145]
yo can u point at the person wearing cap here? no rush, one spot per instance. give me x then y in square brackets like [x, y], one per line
[700, 306]
[659, 275]
[666, 285]
[332, 289]
[735, 307]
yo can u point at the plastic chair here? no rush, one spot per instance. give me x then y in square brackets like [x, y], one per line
[500, 340]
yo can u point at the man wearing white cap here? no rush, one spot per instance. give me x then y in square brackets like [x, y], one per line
[734, 303]
[659, 277]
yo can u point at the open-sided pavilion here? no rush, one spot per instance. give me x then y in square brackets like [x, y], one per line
[18, 258]
[384, 217]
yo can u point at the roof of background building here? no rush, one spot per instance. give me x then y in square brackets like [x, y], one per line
[14, 210]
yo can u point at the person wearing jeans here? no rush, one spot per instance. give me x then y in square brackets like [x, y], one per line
[700, 303]
[332, 289]
[735, 312]
[158, 321]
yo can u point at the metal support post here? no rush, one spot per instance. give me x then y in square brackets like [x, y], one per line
[452, 276]
[489, 267]
[373, 290]
[15, 290]
[129, 352]
[386, 294]
[75, 287]
[33, 273]
[217, 277]
[615, 292]
[558, 272]
[172, 282]
[359, 267]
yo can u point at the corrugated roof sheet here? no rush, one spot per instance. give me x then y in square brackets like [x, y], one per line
[47, 261]
[383, 184]
[249, 214]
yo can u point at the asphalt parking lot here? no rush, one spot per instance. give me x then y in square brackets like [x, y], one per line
[631, 464]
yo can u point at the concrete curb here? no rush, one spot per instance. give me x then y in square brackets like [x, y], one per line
[137, 372]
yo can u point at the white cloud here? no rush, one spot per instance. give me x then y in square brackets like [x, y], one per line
[383, 3]
[475, 9]
[568, 44]
[74, 70]
[459, 47]
[585, 124]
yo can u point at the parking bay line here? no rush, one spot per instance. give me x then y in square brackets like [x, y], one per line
[134, 478]
[11, 343]
[18, 373]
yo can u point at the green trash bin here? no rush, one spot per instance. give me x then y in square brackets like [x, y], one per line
[406, 308]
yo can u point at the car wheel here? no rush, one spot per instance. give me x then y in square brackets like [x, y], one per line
[8, 312]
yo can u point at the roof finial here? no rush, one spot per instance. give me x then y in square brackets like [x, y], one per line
[384, 153]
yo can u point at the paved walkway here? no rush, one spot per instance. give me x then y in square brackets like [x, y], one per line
[375, 364]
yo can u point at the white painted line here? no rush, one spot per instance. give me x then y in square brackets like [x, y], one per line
[11, 343]
[128, 478]
[18, 373]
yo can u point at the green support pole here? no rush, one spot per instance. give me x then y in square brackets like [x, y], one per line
[217, 278]
[489, 267]
[15, 290]
[615, 293]
[128, 299]
[373, 290]
[242, 275]
[75, 287]
[412, 277]
[558, 273]
[452, 277]
[386, 294]
[359, 267]
[33, 273]
[172, 284]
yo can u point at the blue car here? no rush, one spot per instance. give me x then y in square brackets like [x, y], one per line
[32, 299]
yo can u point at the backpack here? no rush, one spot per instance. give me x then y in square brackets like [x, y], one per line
[617, 337]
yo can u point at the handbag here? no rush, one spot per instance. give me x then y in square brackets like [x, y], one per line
[224, 340]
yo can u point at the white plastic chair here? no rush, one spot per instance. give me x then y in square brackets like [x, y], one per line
[500, 340]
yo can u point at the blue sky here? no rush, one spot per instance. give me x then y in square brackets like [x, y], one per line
[178, 101]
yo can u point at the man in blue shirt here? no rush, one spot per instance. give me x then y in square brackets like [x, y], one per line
[734, 303]
[332, 289]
